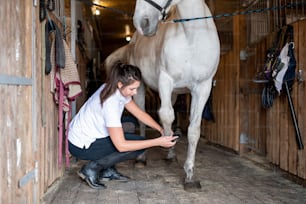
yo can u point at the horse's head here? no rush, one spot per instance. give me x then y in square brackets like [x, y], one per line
[148, 13]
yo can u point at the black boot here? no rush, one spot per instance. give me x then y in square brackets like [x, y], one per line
[109, 172]
[112, 174]
[89, 173]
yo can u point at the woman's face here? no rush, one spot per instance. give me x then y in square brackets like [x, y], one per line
[129, 90]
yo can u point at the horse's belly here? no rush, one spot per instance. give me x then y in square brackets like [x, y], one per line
[186, 64]
[153, 84]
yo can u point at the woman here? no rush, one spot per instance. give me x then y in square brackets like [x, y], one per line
[96, 133]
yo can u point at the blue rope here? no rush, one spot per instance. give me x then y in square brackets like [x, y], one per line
[289, 5]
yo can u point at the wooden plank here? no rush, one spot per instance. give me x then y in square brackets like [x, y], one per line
[292, 141]
[284, 134]
[275, 126]
[227, 119]
[300, 32]
[292, 158]
[17, 151]
[269, 133]
[219, 101]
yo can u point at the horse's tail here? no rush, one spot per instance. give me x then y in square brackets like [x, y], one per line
[120, 54]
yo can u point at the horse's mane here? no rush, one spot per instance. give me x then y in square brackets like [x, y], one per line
[172, 14]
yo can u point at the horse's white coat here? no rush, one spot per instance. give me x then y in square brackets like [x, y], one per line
[179, 58]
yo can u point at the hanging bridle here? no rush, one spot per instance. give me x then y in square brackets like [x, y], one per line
[158, 7]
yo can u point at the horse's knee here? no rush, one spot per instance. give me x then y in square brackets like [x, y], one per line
[194, 129]
[166, 115]
[193, 137]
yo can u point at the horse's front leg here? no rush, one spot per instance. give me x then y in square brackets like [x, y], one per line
[199, 97]
[166, 111]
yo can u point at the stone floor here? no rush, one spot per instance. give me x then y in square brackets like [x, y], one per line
[224, 176]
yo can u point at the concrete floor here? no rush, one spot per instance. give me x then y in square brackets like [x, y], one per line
[224, 176]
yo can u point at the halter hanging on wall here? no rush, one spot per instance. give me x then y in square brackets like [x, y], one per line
[43, 7]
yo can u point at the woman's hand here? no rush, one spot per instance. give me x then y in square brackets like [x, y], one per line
[167, 141]
[161, 130]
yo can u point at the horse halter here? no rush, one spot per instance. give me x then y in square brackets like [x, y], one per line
[158, 7]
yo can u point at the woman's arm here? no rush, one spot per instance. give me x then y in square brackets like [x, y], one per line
[144, 117]
[123, 145]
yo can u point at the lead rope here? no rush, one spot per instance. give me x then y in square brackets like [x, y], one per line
[66, 136]
[60, 118]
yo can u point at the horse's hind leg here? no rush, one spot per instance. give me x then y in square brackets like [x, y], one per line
[140, 101]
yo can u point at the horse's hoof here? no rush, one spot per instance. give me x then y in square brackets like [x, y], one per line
[171, 160]
[192, 186]
[140, 164]
[178, 132]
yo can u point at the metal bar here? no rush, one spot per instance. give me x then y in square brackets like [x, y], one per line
[30, 176]
[13, 80]
[295, 123]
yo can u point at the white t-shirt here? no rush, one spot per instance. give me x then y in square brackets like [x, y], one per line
[92, 120]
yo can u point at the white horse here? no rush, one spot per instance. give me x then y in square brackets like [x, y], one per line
[174, 58]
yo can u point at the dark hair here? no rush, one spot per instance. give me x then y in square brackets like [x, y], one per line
[119, 72]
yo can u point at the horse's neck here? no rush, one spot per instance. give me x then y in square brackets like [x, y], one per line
[192, 9]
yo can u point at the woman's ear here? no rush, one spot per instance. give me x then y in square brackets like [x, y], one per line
[119, 85]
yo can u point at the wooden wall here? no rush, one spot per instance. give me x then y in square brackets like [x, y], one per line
[226, 98]
[281, 147]
[242, 124]
[28, 121]
[19, 137]
[29, 116]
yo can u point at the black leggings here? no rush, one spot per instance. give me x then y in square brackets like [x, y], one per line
[104, 151]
